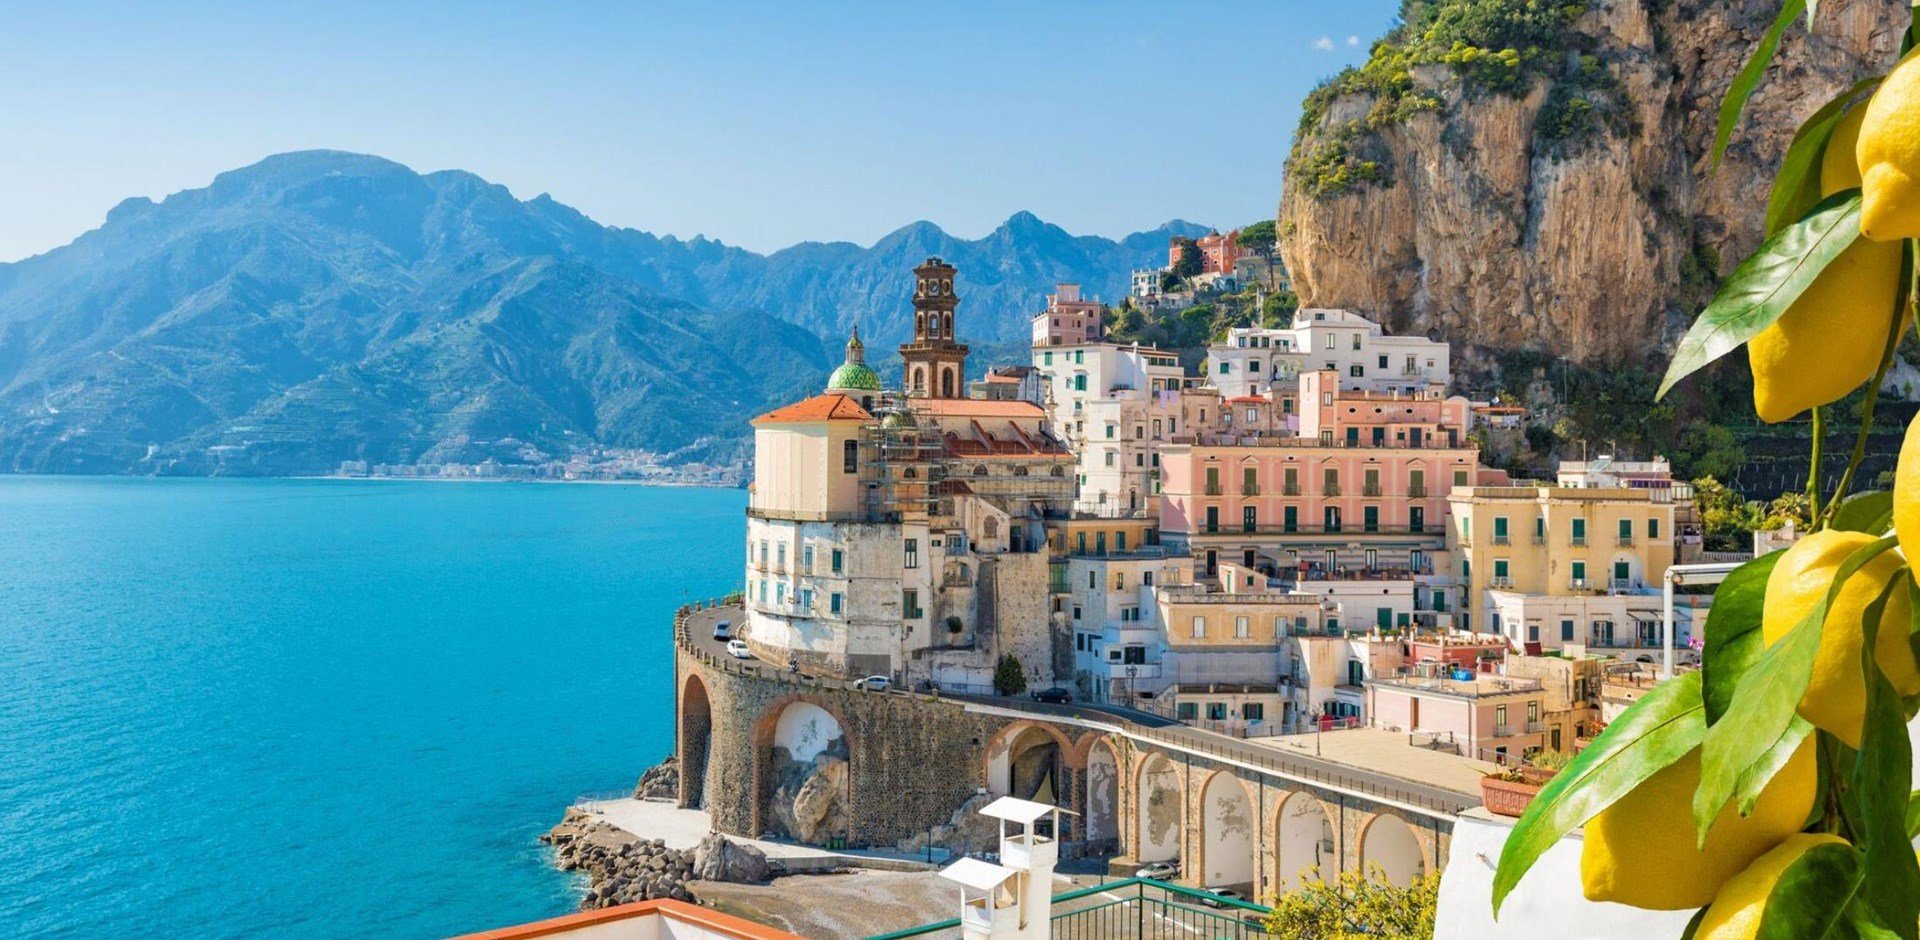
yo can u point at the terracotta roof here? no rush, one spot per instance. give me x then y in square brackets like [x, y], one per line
[832, 406]
[976, 408]
[1246, 398]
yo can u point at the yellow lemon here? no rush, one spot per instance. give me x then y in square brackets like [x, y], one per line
[1640, 850]
[1829, 341]
[1906, 494]
[1836, 698]
[1838, 167]
[1736, 910]
[1888, 154]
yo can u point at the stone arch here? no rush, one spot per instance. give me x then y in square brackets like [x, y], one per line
[1388, 843]
[803, 756]
[1303, 843]
[1226, 832]
[1029, 759]
[1100, 806]
[919, 324]
[1159, 810]
[946, 383]
[918, 382]
[696, 740]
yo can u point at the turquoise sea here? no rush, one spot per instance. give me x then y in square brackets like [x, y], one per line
[290, 708]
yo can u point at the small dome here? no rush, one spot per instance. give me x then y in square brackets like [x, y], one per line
[896, 419]
[854, 375]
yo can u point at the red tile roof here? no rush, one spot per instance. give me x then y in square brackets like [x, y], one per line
[831, 406]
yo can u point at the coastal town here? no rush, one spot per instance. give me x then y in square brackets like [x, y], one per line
[1253, 623]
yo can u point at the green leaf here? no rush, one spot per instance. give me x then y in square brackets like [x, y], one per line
[1766, 284]
[1663, 726]
[1749, 77]
[1732, 640]
[1754, 780]
[1871, 513]
[1796, 185]
[1763, 704]
[1881, 778]
[1693, 924]
[1814, 894]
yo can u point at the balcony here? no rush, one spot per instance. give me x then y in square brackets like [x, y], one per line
[1503, 731]
[1539, 539]
[1417, 491]
[1501, 538]
[1249, 489]
[1370, 489]
[1291, 489]
[1331, 489]
[1577, 584]
[1624, 540]
[1501, 582]
[1213, 489]
[1536, 727]
[1384, 528]
[1579, 541]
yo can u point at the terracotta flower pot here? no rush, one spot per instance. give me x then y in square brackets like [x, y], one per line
[1538, 776]
[1506, 797]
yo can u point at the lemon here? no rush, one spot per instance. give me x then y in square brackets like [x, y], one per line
[1906, 494]
[1836, 697]
[1888, 154]
[1736, 910]
[1640, 850]
[1829, 342]
[1838, 168]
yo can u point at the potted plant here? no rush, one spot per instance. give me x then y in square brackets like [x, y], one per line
[1506, 792]
[1543, 764]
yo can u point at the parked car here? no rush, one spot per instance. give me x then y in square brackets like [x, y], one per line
[873, 683]
[1056, 695]
[1221, 896]
[1160, 871]
[738, 649]
[723, 630]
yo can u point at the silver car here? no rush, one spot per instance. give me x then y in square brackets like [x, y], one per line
[873, 683]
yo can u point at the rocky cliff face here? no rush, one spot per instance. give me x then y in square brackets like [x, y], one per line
[1488, 223]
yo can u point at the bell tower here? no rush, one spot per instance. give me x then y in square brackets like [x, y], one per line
[934, 365]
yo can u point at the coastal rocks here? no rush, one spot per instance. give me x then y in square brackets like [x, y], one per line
[809, 797]
[660, 782]
[718, 858]
[620, 868]
[967, 833]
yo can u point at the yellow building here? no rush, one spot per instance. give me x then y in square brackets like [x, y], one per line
[1559, 550]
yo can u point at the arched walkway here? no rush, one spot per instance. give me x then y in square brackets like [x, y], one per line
[1102, 803]
[1158, 811]
[1389, 844]
[1028, 760]
[696, 737]
[1303, 843]
[801, 779]
[1227, 825]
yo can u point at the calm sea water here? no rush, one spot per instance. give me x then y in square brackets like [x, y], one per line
[326, 708]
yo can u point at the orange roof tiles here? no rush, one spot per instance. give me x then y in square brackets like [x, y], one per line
[831, 406]
[711, 922]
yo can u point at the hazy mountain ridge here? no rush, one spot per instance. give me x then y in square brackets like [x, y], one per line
[323, 306]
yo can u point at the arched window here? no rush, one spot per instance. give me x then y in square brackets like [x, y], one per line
[946, 383]
[979, 469]
[1019, 471]
[1057, 472]
[910, 473]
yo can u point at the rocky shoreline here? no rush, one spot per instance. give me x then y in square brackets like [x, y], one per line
[622, 868]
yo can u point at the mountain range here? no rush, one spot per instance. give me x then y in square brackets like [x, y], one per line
[321, 306]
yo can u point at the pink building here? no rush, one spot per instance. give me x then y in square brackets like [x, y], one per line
[1217, 252]
[1377, 419]
[1490, 717]
[1068, 320]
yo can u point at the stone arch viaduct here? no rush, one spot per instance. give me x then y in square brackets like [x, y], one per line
[766, 751]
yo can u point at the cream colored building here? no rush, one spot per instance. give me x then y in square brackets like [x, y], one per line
[1559, 542]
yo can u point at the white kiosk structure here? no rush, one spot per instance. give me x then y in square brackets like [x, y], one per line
[1014, 899]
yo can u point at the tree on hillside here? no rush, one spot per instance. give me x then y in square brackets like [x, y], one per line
[1008, 677]
[1189, 263]
[1260, 239]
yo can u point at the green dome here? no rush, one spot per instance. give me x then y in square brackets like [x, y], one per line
[854, 375]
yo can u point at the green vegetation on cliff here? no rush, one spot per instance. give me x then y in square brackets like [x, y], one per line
[1494, 46]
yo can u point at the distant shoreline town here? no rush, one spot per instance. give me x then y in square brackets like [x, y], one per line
[602, 467]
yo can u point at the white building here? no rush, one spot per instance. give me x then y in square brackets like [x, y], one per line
[1367, 358]
[1253, 361]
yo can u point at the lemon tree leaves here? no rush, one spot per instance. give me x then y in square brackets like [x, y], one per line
[1662, 727]
[1767, 283]
[1865, 512]
[1732, 640]
[1882, 773]
[1815, 896]
[1796, 185]
[1762, 711]
[1749, 77]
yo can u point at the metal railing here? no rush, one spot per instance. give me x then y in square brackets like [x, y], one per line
[1136, 909]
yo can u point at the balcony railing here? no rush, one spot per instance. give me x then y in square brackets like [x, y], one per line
[1249, 489]
[1502, 581]
[1331, 489]
[1539, 539]
[1503, 731]
[1370, 489]
[1333, 529]
[1625, 539]
[1291, 489]
[1213, 489]
[1501, 538]
[1536, 727]
[1417, 491]
[1578, 584]
[1579, 541]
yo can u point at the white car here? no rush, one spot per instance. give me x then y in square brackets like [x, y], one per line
[737, 648]
[873, 683]
[1160, 871]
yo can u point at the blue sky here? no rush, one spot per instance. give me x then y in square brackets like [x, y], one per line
[761, 124]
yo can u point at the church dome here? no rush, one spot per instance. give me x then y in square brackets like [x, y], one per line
[853, 375]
